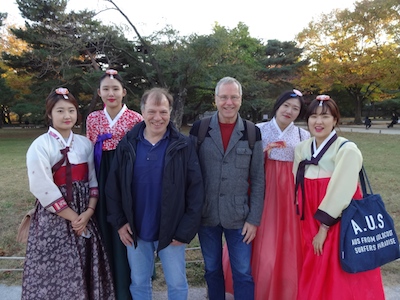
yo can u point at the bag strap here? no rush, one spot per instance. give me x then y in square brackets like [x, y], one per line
[251, 133]
[205, 123]
[364, 182]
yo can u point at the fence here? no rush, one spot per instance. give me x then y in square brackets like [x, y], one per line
[22, 258]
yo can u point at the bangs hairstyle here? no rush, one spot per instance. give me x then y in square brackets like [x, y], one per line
[290, 94]
[327, 105]
[52, 100]
[158, 94]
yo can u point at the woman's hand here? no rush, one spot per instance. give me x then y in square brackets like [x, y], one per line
[319, 239]
[277, 144]
[79, 224]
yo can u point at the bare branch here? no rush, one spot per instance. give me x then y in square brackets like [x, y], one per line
[145, 45]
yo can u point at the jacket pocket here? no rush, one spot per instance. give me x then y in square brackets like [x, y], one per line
[239, 210]
[243, 157]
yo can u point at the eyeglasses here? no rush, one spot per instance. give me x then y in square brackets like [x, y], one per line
[225, 98]
[296, 93]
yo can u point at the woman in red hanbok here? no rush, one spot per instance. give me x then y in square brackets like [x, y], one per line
[105, 128]
[276, 250]
[326, 171]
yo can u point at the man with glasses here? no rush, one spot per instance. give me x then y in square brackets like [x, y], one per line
[233, 174]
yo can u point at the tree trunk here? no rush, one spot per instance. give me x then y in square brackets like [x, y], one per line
[357, 112]
[177, 111]
[2, 118]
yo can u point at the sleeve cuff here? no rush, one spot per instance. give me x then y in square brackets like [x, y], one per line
[58, 205]
[94, 192]
[325, 218]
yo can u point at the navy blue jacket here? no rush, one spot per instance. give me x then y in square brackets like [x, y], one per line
[182, 189]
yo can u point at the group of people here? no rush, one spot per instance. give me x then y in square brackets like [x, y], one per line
[394, 121]
[136, 187]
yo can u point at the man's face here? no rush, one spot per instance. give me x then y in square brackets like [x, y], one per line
[228, 102]
[156, 116]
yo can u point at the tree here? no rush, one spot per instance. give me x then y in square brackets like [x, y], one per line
[72, 49]
[145, 48]
[155, 76]
[13, 86]
[6, 93]
[263, 70]
[353, 50]
[201, 61]
[65, 49]
[193, 74]
[25, 110]
[282, 64]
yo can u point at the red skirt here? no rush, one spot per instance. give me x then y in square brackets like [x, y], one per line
[277, 250]
[322, 276]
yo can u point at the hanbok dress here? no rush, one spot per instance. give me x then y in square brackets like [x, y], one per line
[105, 133]
[329, 183]
[60, 264]
[277, 251]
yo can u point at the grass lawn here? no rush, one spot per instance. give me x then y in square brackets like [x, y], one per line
[381, 160]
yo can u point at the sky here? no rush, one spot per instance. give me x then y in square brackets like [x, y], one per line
[268, 19]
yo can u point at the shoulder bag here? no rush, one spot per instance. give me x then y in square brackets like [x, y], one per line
[368, 238]
[23, 228]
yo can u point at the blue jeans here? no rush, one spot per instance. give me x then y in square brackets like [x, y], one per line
[141, 261]
[239, 255]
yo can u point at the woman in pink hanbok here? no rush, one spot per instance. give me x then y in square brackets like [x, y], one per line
[276, 254]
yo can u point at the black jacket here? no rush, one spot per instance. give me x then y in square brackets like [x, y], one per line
[182, 190]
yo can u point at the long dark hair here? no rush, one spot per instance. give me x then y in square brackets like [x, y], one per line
[286, 95]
